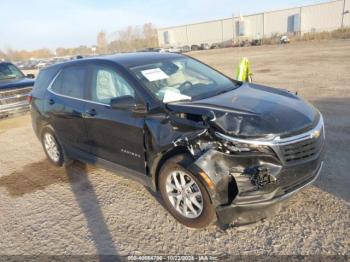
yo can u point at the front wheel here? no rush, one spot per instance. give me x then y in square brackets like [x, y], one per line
[185, 197]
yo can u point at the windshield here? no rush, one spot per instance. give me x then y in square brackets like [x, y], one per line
[182, 79]
[9, 71]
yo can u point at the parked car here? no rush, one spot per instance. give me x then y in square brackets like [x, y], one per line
[215, 46]
[256, 42]
[41, 64]
[28, 65]
[19, 64]
[244, 43]
[214, 148]
[284, 40]
[185, 49]
[14, 89]
[204, 46]
[149, 49]
[173, 50]
[195, 47]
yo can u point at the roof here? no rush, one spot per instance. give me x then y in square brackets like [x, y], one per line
[139, 58]
[124, 59]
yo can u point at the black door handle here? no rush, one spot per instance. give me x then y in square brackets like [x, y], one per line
[91, 112]
[51, 101]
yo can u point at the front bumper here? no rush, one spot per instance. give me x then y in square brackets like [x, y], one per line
[14, 101]
[243, 212]
[250, 185]
[14, 109]
[244, 197]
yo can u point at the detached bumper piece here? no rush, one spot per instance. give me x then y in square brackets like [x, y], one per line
[247, 208]
[14, 101]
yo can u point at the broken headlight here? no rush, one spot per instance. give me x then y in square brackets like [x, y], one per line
[242, 147]
[237, 145]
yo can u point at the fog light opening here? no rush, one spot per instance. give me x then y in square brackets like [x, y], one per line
[259, 176]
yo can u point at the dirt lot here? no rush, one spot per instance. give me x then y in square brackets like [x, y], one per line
[47, 210]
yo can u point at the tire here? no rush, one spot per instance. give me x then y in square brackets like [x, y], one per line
[52, 148]
[177, 201]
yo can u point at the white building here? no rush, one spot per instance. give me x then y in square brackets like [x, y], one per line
[313, 18]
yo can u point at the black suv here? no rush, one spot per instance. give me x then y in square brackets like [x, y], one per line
[215, 148]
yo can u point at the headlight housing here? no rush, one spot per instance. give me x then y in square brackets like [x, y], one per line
[242, 147]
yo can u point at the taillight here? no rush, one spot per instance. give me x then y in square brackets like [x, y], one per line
[29, 98]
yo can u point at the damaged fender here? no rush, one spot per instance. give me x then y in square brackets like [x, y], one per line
[236, 177]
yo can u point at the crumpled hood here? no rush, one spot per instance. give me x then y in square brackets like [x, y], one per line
[254, 111]
[16, 83]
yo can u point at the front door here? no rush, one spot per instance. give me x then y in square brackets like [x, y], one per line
[113, 134]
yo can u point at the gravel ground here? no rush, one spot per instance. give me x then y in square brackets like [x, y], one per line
[86, 210]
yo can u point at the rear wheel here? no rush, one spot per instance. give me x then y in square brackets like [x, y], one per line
[52, 147]
[185, 197]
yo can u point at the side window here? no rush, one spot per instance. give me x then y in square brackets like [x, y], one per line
[71, 82]
[108, 84]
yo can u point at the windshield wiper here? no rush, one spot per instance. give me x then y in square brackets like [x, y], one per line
[222, 92]
[180, 100]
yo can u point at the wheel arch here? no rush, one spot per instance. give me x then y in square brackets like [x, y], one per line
[67, 160]
[187, 163]
[42, 126]
[160, 160]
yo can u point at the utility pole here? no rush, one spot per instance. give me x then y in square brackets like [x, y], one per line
[343, 13]
[233, 28]
[188, 43]
[263, 28]
[222, 30]
[300, 20]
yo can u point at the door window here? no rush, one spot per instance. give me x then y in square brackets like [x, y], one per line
[109, 84]
[71, 82]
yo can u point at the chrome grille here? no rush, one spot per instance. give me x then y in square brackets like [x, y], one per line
[303, 150]
[9, 96]
[293, 149]
[13, 101]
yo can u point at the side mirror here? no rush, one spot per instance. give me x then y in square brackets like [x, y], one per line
[127, 103]
[32, 76]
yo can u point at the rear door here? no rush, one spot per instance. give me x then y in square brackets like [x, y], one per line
[115, 135]
[66, 106]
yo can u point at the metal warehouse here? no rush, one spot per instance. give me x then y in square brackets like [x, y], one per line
[298, 20]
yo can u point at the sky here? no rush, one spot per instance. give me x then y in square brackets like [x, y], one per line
[33, 24]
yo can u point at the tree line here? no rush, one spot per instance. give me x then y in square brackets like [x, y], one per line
[131, 38]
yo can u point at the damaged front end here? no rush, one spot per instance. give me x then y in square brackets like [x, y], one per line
[252, 147]
[249, 177]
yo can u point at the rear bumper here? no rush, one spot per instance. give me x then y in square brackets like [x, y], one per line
[244, 212]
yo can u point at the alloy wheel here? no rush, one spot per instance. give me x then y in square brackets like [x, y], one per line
[184, 194]
[51, 147]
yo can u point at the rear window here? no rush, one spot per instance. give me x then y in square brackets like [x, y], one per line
[71, 82]
[43, 80]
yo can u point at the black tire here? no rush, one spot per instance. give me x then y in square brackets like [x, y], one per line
[61, 160]
[208, 214]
